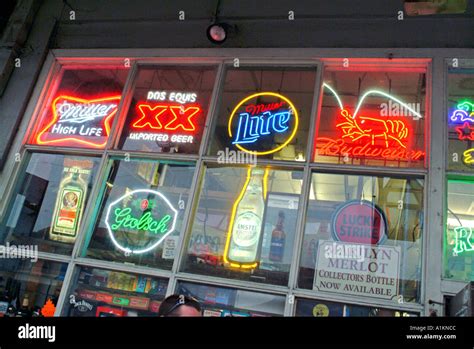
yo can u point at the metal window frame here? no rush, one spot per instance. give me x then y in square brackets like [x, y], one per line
[432, 287]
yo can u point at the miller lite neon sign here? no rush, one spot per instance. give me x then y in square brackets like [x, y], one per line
[79, 122]
[253, 126]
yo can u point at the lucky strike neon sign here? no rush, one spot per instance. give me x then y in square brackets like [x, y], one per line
[251, 124]
[370, 136]
[462, 118]
[169, 118]
[139, 221]
[79, 121]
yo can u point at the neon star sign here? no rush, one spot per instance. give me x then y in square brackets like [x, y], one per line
[252, 125]
[362, 135]
[462, 119]
[139, 221]
[79, 122]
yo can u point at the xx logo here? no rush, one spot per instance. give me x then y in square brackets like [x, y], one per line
[167, 117]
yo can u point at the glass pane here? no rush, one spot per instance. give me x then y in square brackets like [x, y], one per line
[229, 302]
[49, 202]
[363, 237]
[317, 308]
[169, 109]
[265, 111]
[244, 225]
[104, 293]
[80, 111]
[374, 118]
[461, 117]
[459, 241]
[141, 213]
[30, 287]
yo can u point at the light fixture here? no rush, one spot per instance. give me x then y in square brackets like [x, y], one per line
[217, 33]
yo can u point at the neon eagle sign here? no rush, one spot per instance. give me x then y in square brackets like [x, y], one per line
[370, 136]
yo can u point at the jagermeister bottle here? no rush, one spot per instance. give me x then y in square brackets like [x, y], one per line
[247, 225]
[68, 208]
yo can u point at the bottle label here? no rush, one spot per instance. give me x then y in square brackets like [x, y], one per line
[277, 248]
[67, 217]
[247, 229]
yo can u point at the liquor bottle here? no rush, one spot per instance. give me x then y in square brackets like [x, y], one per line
[247, 226]
[24, 310]
[277, 244]
[68, 208]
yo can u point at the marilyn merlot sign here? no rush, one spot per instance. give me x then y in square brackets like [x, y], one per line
[140, 220]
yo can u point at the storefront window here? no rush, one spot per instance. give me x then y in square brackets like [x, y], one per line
[461, 116]
[317, 308]
[104, 293]
[244, 225]
[169, 109]
[459, 242]
[80, 110]
[30, 287]
[50, 200]
[141, 213]
[363, 237]
[228, 302]
[265, 111]
[373, 118]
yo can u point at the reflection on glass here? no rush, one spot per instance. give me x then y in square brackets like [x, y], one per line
[105, 293]
[317, 308]
[244, 224]
[49, 203]
[30, 288]
[141, 213]
[269, 101]
[363, 237]
[228, 302]
[169, 109]
[459, 240]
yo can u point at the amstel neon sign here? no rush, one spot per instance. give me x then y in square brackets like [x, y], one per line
[139, 221]
[79, 122]
[362, 135]
[252, 126]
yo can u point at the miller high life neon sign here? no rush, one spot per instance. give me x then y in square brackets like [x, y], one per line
[79, 122]
[366, 134]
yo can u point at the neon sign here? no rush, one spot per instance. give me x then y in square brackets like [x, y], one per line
[169, 118]
[462, 118]
[371, 136]
[139, 221]
[462, 242]
[252, 125]
[78, 121]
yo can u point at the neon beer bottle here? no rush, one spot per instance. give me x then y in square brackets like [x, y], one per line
[247, 227]
[68, 208]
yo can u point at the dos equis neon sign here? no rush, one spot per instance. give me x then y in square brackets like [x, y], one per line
[254, 124]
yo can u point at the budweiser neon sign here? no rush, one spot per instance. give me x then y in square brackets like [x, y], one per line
[370, 136]
[79, 122]
[251, 125]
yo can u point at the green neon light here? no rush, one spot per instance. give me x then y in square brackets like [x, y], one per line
[463, 240]
[146, 222]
